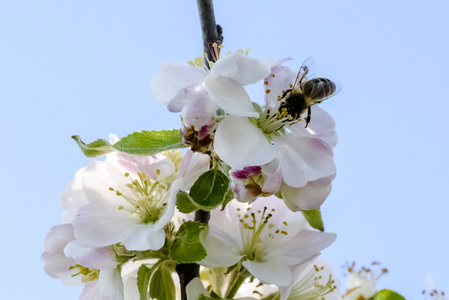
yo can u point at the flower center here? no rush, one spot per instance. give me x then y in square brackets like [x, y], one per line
[148, 197]
[203, 64]
[258, 235]
[313, 285]
[87, 274]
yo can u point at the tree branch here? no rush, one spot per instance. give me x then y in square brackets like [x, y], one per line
[212, 33]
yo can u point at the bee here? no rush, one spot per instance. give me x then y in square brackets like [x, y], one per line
[305, 93]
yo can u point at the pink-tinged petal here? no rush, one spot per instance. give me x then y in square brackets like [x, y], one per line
[199, 112]
[230, 96]
[91, 257]
[273, 174]
[58, 237]
[156, 166]
[271, 271]
[280, 62]
[111, 285]
[171, 78]
[283, 76]
[91, 291]
[241, 68]
[304, 246]
[73, 198]
[102, 226]
[58, 266]
[240, 144]
[186, 96]
[192, 166]
[321, 126]
[303, 159]
[143, 237]
[219, 253]
[310, 196]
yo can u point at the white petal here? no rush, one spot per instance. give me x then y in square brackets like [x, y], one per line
[195, 288]
[303, 159]
[241, 68]
[91, 291]
[219, 253]
[186, 96]
[73, 198]
[171, 78]
[241, 144]
[143, 237]
[230, 95]
[91, 257]
[58, 237]
[310, 196]
[101, 226]
[283, 76]
[271, 271]
[111, 285]
[304, 246]
[321, 126]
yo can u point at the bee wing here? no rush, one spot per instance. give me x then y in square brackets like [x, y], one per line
[323, 90]
[305, 72]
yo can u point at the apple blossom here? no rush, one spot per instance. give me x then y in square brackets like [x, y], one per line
[267, 238]
[130, 200]
[362, 283]
[78, 264]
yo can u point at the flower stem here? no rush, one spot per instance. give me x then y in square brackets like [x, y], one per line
[237, 283]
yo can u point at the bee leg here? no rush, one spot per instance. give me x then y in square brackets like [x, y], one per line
[309, 116]
[286, 92]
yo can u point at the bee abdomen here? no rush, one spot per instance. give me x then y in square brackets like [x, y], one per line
[318, 88]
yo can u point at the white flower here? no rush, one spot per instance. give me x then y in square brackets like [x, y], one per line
[313, 280]
[362, 283]
[197, 89]
[78, 264]
[131, 200]
[274, 135]
[266, 237]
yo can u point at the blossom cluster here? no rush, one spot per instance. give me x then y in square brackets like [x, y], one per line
[261, 171]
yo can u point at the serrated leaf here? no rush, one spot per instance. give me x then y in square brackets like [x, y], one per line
[185, 203]
[387, 294]
[313, 217]
[143, 279]
[140, 143]
[209, 191]
[162, 286]
[187, 247]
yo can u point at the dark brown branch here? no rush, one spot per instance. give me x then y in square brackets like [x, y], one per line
[212, 33]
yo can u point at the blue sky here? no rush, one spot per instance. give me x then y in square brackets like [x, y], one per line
[84, 67]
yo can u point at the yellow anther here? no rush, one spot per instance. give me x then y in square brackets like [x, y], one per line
[268, 91]
[118, 193]
[265, 82]
[272, 75]
[285, 223]
[270, 225]
[158, 172]
[126, 174]
[284, 232]
[111, 189]
[121, 207]
[246, 216]
[247, 51]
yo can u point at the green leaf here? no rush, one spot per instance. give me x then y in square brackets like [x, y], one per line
[387, 294]
[187, 247]
[94, 149]
[141, 143]
[150, 142]
[143, 279]
[185, 203]
[162, 286]
[314, 218]
[210, 190]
